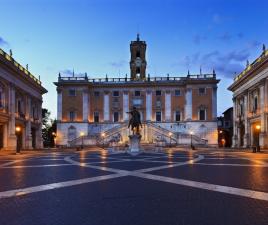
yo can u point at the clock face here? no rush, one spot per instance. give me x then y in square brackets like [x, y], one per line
[138, 62]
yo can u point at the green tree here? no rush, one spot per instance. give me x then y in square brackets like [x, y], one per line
[49, 129]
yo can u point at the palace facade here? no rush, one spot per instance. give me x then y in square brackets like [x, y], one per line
[173, 109]
[20, 106]
[250, 104]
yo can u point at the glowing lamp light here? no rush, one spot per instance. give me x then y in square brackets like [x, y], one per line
[18, 129]
[258, 127]
[191, 132]
[103, 134]
[82, 134]
[169, 134]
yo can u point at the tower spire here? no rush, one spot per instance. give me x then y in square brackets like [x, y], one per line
[138, 36]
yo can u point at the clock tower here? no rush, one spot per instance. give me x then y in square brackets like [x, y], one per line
[138, 61]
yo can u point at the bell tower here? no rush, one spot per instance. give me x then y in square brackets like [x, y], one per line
[138, 59]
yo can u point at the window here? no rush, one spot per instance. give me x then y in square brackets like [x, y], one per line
[178, 116]
[255, 103]
[202, 91]
[138, 70]
[72, 92]
[158, 116]
[116, 93]
[177, 92]
[116, 116]
[19, 106]
[202, 114]
[72, 115]
[138, 54]
[96, 93]
[96, 117]
[241, 109]
[137, 93]
[158, 93]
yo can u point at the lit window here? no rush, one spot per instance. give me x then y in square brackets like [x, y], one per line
[177, 92]
[72, 92]
[158, 116]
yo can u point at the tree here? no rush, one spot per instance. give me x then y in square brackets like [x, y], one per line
[49, 129]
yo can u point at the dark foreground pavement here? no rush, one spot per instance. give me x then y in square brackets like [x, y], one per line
[184, 188]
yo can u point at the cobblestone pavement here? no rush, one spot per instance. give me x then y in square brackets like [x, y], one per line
[177, 187]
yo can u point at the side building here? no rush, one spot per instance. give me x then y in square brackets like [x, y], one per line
[20, 106]
[173, 109]
[250, 104]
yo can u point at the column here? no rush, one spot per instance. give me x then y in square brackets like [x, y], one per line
[214, 103]
[59, 105]
[12, 139]
[246, 135]
[148, 105]
[188, 104]
[263, 134]
[28, 134]
[125, 106]
[234, 144]
[168, 106]
[39, 139]
[106, 106]
[85, 105]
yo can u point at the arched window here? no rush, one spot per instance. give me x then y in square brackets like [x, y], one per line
[71, 133]
[202, 130]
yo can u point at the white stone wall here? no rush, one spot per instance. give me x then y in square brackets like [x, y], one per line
[62, 131]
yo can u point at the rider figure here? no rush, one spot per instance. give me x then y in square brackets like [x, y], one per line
[135, 121]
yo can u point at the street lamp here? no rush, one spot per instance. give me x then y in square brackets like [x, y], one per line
[170, 135]
[82, 134]
[258, 127]
[191, 133]
[18, 131]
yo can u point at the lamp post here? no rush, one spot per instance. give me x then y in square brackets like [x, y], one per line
[170, 135]
[191, 133]
[258, 127]
[82, 139]
[18, 134]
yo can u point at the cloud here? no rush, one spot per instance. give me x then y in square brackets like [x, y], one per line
[69, 73]
[3, 42]
[226, 64]
[118, 64]
[199, 38]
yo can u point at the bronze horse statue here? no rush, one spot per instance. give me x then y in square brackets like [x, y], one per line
[135, 121]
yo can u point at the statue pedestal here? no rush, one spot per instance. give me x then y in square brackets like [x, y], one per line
[134, 144]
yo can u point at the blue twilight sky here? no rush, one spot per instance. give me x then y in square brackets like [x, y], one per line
[93, 36]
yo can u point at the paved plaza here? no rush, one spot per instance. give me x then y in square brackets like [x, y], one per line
[96, 187]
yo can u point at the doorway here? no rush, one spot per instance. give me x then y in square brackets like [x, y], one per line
[256, 134]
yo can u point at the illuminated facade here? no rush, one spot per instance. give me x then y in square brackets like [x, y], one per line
[170, 107]
[250, 103]
[20, 106]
